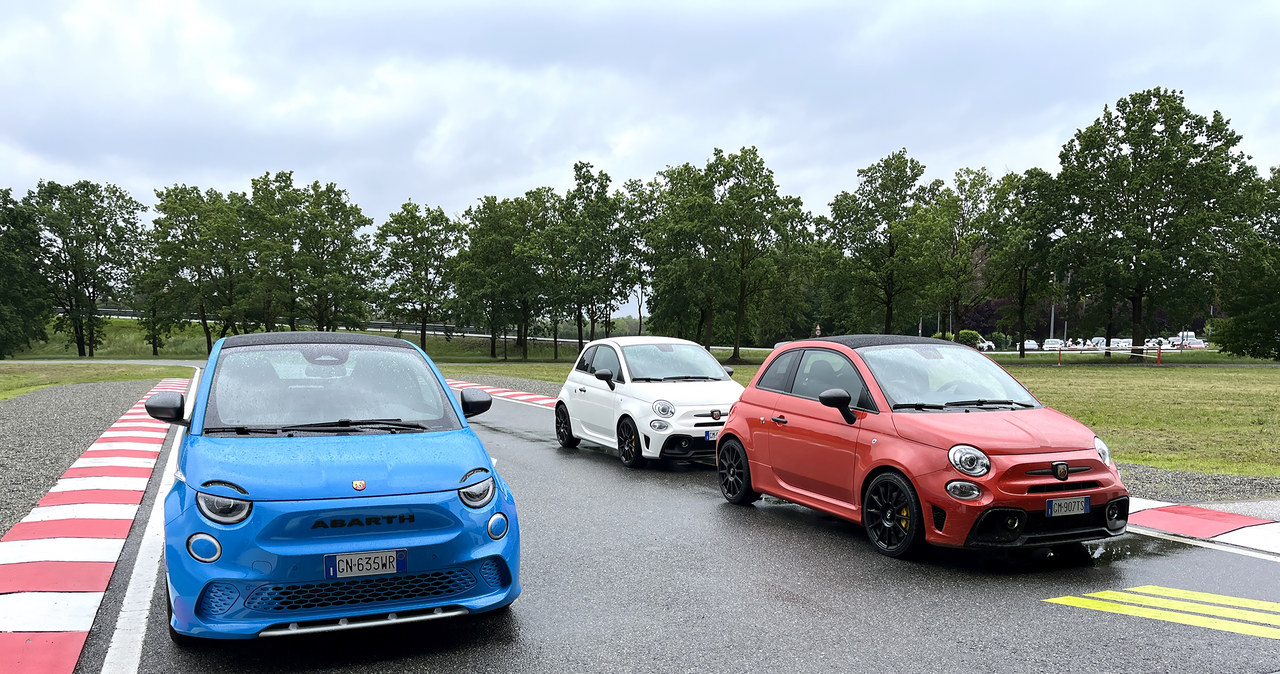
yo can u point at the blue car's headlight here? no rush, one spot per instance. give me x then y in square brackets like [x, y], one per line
[222, 509]
[479, 494]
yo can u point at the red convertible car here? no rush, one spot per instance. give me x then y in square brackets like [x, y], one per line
[919, 440]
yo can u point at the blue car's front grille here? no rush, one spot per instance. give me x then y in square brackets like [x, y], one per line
[217, 598]
[382, 589]
[492, 572]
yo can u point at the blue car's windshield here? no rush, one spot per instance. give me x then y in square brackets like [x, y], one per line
[333, 387]
[931, 376]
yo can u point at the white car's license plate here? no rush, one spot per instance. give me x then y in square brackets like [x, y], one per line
[712, 435]
[1061, 507]
[352, 564]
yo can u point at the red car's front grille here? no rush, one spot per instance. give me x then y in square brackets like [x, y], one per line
[1054, 487]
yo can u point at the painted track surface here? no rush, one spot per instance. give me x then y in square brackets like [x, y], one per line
[56, 562]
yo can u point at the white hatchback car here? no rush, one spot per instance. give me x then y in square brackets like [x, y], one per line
[651, 397]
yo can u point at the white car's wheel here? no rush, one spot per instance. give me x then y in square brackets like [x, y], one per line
[564, 428]
[629, 444]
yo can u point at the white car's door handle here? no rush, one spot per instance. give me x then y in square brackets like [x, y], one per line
[582, 389]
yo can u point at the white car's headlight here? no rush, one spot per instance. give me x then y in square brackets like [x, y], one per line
[479, 494]
[1104, 452]
[664, 409]
[969, 460]
[222, 509]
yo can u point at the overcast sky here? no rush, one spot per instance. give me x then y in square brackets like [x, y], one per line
[445, 102]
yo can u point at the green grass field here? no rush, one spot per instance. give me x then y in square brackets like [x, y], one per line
[1213, 420]
[17, 378]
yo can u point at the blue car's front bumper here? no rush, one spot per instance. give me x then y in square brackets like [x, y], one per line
[271, 573]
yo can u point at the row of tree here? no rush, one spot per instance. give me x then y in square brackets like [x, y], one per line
[1154, 221]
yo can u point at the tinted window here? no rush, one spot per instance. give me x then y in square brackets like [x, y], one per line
[775, 378]
[607, 359]
[822, 370]
[286, 384]
[584, 363]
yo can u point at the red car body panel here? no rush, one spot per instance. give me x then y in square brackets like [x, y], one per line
[806, 453]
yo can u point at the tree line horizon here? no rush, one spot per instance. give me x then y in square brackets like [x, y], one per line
[1154, 222]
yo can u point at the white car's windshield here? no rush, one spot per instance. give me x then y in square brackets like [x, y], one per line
[339, 385]
[929, 376]
[671, 362]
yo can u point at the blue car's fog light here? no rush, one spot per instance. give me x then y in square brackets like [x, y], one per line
[204, 548]
[497, 526]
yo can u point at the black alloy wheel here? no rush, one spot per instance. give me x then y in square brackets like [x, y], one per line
[892, 515]
[564, 428]
[629, 444]
[735, 473]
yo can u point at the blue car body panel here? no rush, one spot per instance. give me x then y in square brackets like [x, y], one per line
[307, 505]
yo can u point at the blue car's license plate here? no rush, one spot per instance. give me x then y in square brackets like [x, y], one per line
[375, 563]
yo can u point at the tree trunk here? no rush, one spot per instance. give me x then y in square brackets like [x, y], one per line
[580, 343]
[742, 314]
[1139, 335]
[422, 332]
[555, 341]
[208, 336]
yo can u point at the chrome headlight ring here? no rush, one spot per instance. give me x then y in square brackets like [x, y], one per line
[969, 460]
[664, 409]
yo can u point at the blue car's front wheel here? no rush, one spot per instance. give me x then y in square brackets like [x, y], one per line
[179, 639]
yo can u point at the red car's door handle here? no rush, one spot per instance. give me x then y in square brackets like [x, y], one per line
[779, 420]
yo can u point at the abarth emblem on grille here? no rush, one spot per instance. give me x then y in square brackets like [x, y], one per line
[715, 414]
[358, 485]
[1060, 470]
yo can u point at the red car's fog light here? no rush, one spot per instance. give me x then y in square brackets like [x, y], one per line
[965, 491]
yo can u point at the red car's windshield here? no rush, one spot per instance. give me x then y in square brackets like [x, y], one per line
[933, 375]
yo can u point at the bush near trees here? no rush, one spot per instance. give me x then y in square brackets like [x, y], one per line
[1154, 223]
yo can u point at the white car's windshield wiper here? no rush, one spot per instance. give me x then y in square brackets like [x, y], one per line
[645, 379]
[980, 402]
[917, 406]
[242, 430]
[689, 377]
[345, 425]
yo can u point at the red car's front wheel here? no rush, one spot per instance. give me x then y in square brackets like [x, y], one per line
[892, 515]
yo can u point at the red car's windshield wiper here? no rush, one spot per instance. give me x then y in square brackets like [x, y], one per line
[917, 406]
[984, 403]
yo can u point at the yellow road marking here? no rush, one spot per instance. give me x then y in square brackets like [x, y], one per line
[1170, 616]
[1210, 598]
[1191, 607]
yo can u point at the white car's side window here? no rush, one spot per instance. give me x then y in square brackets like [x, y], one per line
[607, 359]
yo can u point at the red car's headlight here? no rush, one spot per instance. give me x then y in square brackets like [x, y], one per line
[969, 460]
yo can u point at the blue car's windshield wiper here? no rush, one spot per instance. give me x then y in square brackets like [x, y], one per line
[980, 402]
[243, 430]
[917, 406]
[345, 425]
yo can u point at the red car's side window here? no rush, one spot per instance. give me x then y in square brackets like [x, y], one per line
[778, 376]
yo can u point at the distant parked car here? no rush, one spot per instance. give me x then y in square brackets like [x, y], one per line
[1031, 345]
[985, 344]
[1194, 343]
[651, 397]
[1053, 344]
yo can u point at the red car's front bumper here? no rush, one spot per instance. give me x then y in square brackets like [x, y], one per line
[1012, 511]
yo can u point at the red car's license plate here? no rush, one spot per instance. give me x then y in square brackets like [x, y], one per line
[1061, 507]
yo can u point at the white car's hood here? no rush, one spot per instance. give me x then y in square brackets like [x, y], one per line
[688, 392]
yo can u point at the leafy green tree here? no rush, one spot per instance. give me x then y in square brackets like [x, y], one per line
[418, 245]
[878, 229]
[756, 223]
[489, 276]
[602, 269]
[956, 240]
[334, 260]
[90, 236]
[25, 305]
[1155, 193]
[272, 214]
[1249, 284]
[1026, 212]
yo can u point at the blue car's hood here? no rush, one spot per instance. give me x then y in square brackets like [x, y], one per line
[313, 467]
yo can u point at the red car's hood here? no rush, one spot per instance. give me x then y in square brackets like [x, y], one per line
[1033, 431]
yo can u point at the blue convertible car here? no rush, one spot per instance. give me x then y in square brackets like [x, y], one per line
[327, 482]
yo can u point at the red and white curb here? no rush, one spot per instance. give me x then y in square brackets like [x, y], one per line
[517, 396]
[1206, 524]
[56, 562]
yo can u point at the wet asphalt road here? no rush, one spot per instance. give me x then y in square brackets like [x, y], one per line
[652, 571]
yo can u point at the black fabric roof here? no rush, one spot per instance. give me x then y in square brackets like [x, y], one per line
[861, 341]
[306, 337]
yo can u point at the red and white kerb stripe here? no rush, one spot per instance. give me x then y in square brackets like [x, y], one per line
[519, 396]
[55, 564]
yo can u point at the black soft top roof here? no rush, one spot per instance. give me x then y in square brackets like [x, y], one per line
[863, 341]
[311, 337]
